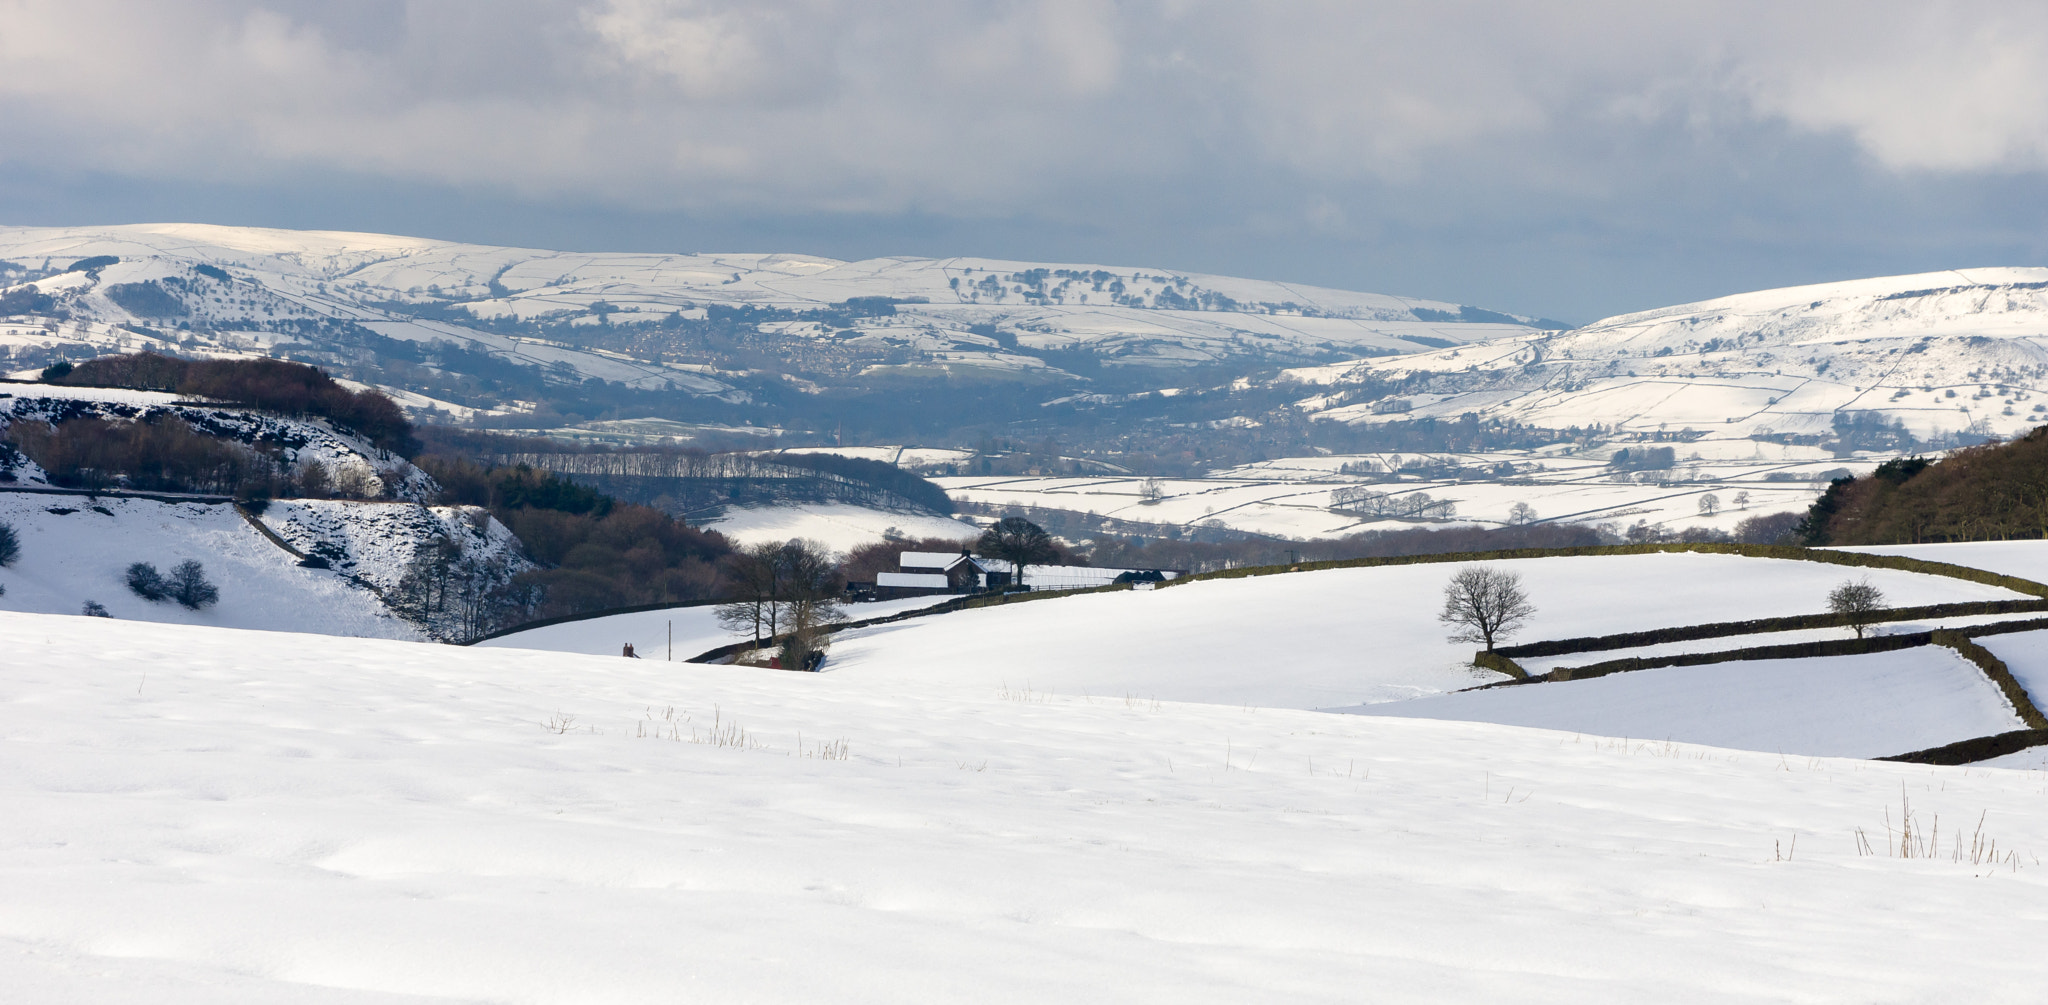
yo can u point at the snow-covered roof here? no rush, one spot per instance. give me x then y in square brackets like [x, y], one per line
[921, 580]
[929, 559]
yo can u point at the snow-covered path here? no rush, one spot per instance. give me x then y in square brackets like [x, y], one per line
[211, 816]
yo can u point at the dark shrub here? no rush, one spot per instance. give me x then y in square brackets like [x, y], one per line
[149, 300]
[146, 582]
[212, 272]
[26, 300]
[57, 371]
[10, 544]
[95, 609]
[188, 586]
[92, 264]
[1773, 528]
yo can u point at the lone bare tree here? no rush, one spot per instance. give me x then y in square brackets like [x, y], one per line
[1482, 604]
[1858, 602]
[1521, 513]
[1019, 542]
[1710, 504]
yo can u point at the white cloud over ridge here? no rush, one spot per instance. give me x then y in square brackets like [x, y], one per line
[960, 108]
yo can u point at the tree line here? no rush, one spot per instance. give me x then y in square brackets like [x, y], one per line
[1988, 492]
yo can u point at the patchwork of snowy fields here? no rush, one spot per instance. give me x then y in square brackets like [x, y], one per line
[200, 815]
[1338, 637]
[1293, 497]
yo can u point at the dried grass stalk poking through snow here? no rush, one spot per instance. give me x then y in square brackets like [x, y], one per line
[1483, 603]
[1910, 838]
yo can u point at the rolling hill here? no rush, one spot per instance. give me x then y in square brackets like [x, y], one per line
[718, 326]
[1940, 354]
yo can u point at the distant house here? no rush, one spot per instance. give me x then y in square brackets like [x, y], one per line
[923, 573]
[928, 572]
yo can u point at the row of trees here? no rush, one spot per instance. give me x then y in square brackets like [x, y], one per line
[272, 384]
[1414, 505]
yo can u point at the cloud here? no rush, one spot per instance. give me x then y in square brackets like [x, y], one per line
[952, 107]
[1625, 125]
[1933, 87]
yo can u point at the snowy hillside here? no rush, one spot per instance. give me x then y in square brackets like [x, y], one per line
[297, 441]
[1339, 637]
[1964, 350]
[201, 815]
[267, 288]
[75, 549]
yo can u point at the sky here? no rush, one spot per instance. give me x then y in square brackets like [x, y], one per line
[1565, 159]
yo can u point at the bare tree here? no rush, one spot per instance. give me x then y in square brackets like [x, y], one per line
[1482, 604]
[1521, 513]
[756, 572]
[1151, 491]
[811, 601]
[788, 591]
[1742, 500]
[1710, 504]
[1019, 542]
[1858, 602]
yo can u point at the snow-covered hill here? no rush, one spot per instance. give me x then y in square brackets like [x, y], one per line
[204, 815]
[1944, 352]
[1332, 638]
[76, 549]
[345, 456]
[271, 288]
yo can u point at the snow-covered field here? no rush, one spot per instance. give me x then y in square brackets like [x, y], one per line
[839, 526]
[75, 549]
[199, 815]
[1538, 665]
[2025, 559]
[1292, 497]
[2026, 655]
[1333, 638]
[678, 632]
[1841, 706]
